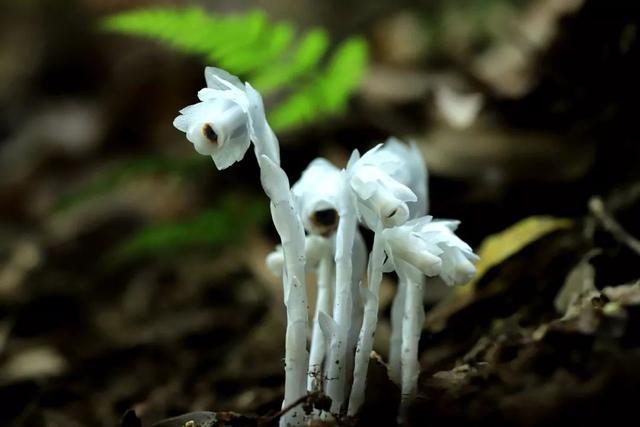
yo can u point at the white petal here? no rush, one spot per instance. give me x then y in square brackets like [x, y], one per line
[370, 155]
[364, 188]
[418, 182]
[399, 190]
[208, 94]
[261, 133]
[355, 156]
[404, 245]
[233, 151]
[217, 78]
[456, 267]
[181, 123]
[200, 142]
[368, 216]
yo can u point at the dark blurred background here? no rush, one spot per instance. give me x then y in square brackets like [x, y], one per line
[131, 271]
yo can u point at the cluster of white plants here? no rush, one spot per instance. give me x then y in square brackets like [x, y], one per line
[384, 190]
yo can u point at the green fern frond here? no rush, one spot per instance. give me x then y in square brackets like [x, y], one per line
[126, 171]
[265, 53]
[329, 92]
[344, 72]
[213, 228]
[191, 30]
[308, 54]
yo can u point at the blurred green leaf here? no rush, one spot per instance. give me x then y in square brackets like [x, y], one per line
[227, 223]
[266, 53]
[344, 72]
[329, 92]
[192, 30]
[307, 55]
[123, 172]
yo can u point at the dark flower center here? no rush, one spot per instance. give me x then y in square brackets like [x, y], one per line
[392, 213]
[325, 217]
[209, 133]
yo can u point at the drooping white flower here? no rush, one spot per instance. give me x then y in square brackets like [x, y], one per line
[405, 164]
[432, 247]
[389, 183]
[229, 116]
[316, 196]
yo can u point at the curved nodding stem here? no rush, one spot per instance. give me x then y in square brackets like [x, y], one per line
[289, 228]
[369, 323]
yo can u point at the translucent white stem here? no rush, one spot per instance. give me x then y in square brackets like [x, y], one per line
[369, 323]
[288, 225]
[325, 278]
[342, 304]
[411, 330]
[357, 278]
[395, 342]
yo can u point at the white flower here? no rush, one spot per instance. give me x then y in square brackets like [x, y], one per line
[315, 247]
[316, 196]
[229, 116]
[382, 181]
[431, 247]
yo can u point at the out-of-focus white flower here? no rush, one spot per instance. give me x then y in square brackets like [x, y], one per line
[432, 247]
[316, 196]
[229, 116]
[315, 247]
[384, 180]
[408, 168]
[458, 109]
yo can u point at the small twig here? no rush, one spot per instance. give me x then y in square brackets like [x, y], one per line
[302, 399]
[612, 226]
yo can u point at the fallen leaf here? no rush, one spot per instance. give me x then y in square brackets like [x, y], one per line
[498, 247]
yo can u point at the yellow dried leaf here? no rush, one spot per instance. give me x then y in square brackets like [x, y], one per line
[500, 246]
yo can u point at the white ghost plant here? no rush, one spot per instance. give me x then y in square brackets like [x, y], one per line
[323, 199]
[229, 117]
[418, 248]
[386, 190]
[389, 184]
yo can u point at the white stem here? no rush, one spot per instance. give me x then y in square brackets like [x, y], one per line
[411, 330]
[342, 304]
[325, 277]
[395, 342]
[357, 278]
[289, 227]
[369, 323]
